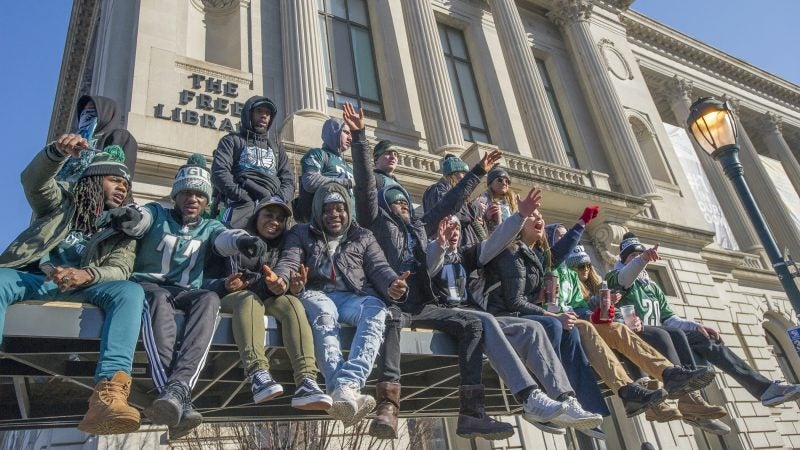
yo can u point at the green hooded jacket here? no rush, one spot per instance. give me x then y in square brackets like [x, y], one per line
[109, 255]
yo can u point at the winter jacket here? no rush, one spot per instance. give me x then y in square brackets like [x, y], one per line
[520, 271]
[467, 213]
[382, 179]
[247, 169]
[109, 255]
[358, 257]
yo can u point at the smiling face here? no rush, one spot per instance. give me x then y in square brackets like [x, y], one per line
[334, 217]
[190, 204]
[115, 189]
[271, 222]
[387, 162]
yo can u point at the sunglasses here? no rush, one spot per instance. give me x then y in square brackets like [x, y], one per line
[583, 266]
[503, 180]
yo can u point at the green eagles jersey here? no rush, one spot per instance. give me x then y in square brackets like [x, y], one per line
[170, 253]
[569, 291]
[648, 300]
[326, 163]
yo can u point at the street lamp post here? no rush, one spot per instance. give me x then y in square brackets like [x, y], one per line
[712, 125]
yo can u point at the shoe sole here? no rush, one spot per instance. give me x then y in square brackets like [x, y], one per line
[641, 409]
[184, 429]
[779, 400]
[361, 413]
[267, 396]
[381, 430]
[547, 427]
[712, 431]
[488, 436]
[709, 416]
[318, 402]
[163, 412]
[549, 418]
[579, 424]
[693, 384]
[342, 411]
[121, 425]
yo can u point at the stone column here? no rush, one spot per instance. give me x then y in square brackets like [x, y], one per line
[779, 149]
[442, 125]
[778, 218]
[540, 123]
[303, 70]
[679, 92]
[619, 142]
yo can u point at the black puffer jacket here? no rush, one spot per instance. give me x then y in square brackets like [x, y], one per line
[358, 258]
[374, 213]
[433, 199]
[520, 273]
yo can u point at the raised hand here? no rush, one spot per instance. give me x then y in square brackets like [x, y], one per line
[298, 280]
[274, 283]
[530, 203]
[72, 144]
[353, 120]
[651, 254]
[590, 213]
[399, 286]
[490, 160]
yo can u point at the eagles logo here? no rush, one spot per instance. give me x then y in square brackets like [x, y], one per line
[253, 157]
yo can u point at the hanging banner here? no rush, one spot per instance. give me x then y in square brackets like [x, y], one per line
[784, 186]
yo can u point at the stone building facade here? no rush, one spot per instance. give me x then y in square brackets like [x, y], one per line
[586, 98]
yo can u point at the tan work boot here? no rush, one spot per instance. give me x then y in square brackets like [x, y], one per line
[384, 425]
[109, 412]
[662, 412]
[693, 405]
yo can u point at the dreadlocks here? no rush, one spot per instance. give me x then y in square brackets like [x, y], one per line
[89, 203]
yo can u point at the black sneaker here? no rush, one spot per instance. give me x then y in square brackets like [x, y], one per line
[679, 381]
[167, 409]
[263, 386]
[308, 396]
[190, 419]
[636, 398]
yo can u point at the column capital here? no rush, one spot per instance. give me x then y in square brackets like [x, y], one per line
[565, 12]
[604, 237]
[771, 123]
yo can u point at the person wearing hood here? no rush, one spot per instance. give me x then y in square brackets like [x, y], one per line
[69, 253]
[172, 246]
[402, 237]
[499, 201]
[246, 169]
[652, 308]
[385, 156]
[453, 171]
[99, 121]
[243, 284]
[519, 272]
[324, 165]
[347, 278]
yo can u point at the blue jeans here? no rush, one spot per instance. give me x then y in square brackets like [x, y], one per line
[366, 313]
[121, 301]
[567, 344]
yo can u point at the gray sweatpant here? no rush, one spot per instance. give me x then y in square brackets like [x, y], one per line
[512, 344]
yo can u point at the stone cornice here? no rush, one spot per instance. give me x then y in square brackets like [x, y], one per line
[83, 18]
[684, 50]
[670, 234]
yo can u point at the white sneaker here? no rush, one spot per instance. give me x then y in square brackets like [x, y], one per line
[576, 417]
[344, 405]
[365, 405]
[538, 407]
[780, 392]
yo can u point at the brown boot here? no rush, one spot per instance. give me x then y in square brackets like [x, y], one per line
[384, 426]
[662, 412]
[109, 412]
[694, 405]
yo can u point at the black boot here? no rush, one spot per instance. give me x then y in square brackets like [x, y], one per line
[167, 409]
[190, 419]
[679, 381]
[384, 426]
[636, 398]
[472, 419]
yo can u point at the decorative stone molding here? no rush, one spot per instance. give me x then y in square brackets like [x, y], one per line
[546, 170]
[615, 62]
[605, 238]
[568, 11]
[686, 51]
[218, 7]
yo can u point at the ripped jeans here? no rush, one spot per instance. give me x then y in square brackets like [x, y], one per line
[366, 313]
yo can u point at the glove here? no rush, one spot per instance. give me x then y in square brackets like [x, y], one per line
[590, 213]
[251, 246]
[125, 218]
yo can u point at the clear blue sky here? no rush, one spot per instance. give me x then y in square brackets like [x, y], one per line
[32, 36]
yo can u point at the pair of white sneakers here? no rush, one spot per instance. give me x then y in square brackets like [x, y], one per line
[349, 404]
